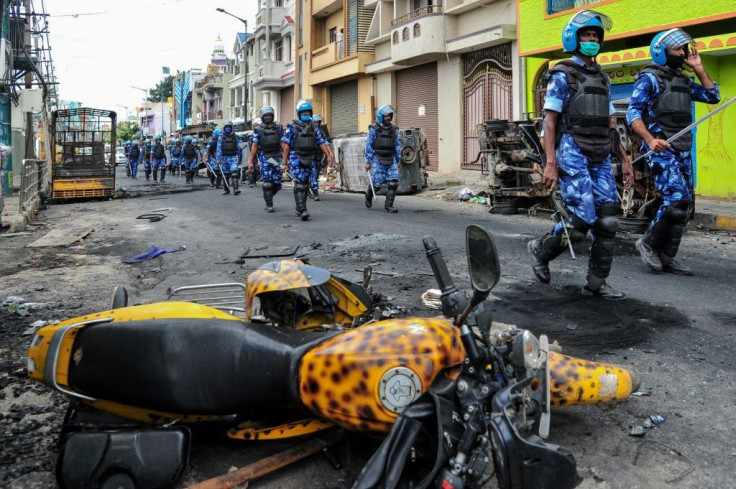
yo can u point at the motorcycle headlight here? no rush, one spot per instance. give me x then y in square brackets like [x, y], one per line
[526, 351]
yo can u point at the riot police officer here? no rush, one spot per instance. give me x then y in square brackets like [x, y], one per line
[266, 145]
[134, 157]
[382, 157]
[126, 150]
[578, 140]
[319, 158]
[228, 156]
[189, 158]
[158, 158]
[210, 153]
[147, 156]
[301, 140]
[175, 153]
[660, 106]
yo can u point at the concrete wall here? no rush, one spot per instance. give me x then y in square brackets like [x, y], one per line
[450, 114]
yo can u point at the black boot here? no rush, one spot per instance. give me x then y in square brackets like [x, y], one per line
[268, 195]
[252, 178]
[163, 174]
[300, 197]
[543, 251]
[597, 287]
[648, 255]
[369, 192]
[212, 179]
[218, 182]
[148, 175]
[390, 196]
[315, 192]
[236, 181]
[671, 246]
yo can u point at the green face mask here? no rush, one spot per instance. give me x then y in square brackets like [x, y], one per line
[589, 48]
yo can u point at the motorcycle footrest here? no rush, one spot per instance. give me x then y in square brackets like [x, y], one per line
[138, 458]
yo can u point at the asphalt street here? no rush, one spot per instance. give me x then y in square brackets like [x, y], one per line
[678, 332]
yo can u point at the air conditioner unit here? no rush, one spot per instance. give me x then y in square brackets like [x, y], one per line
[6, 58]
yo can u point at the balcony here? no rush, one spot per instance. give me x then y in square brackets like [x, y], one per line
[210, 82]
[323, 8]
[325, 55]
[268, 75]
[262, 20]
[418, 37]
[212, 115]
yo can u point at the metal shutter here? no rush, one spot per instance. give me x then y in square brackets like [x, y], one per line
[416, 87]
[287, 105]
[343, 108]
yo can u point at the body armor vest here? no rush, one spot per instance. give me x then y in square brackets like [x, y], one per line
[270, 141]
[190, 152]
[672, 107]
[159, 151]
[176, 151]
[586, 113]
[212, 147]
[135, 153]
[229, 145]
[305, 142]
[147, 152]
[385, 143]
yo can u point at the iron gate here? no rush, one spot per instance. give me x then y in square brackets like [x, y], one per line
[487, 94]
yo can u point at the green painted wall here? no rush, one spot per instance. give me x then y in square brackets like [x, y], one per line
[537, 33]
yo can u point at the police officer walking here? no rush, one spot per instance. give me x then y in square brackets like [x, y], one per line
[147, 159]
[228, 156]
[578, 142]
[158, 158]
[126, 150]
[175, 153]
[658, 109]
[319, 157]
[382, 157]
[134, 157]
[301, 140]
[266, 145]
[189, 158]
[210, 157]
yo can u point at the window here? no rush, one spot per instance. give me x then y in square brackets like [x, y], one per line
[277, 48]
[287, 49]
[405, 34]
[417, 30]
[333, 35]
[278, 3]
[396, 37]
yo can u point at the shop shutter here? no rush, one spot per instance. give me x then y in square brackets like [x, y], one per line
[287, 105]
[416, 104]
[343, 108]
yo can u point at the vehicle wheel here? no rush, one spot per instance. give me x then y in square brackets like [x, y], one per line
[505, 207]
[119, 480]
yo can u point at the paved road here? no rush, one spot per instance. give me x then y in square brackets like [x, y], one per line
[677, 331]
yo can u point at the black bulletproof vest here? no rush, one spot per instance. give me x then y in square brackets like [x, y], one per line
[159, 151]
[305, 142]
[586, 113]
[270, 141]
[385, 143]
[147, 151]
[229, 145]
[135, 152]
[190, 152]
[212, 147]
[176, 151]
[672, 107]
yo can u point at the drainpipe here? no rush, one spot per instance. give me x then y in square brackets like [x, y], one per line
[522, 99]
[5, 137]
[268, 30]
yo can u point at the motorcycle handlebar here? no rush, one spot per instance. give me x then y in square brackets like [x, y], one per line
[439, 267]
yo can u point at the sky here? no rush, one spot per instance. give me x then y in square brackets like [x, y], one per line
[101, 49]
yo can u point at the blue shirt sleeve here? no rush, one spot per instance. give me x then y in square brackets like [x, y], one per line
[288, 136]
[318, 136]
[256, 136]
[369, 154]
[218, 151]
[646, 90]
[557, 92]
[708, 95]
[397, 147]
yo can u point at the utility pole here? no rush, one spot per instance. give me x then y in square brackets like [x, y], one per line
[5, 134]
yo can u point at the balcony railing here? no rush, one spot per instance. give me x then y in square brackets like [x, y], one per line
[324, 55]
[212, 115]
[209, 80]
[429, 9]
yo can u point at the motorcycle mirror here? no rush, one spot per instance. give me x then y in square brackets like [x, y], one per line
[482, 260]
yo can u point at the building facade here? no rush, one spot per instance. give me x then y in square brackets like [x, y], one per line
[239, 81]
[211, 95]
[626, 51]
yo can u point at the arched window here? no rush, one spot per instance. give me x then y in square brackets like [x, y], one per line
[396, 37]
[417, 30]
[405, 34]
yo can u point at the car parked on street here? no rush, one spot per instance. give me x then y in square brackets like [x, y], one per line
[120, 156]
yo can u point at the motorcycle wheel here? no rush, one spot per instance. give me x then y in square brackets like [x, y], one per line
[119, 480]
[505, 207]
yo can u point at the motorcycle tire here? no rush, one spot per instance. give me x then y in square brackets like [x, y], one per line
[505, 207]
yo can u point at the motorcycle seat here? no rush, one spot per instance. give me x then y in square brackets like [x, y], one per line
[190, 366]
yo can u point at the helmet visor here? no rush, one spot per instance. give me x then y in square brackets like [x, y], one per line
[676, 38]
[582, 18]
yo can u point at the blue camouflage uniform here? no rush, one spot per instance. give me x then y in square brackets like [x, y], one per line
[134, 162]
[585, 185]
[300, 166]
[383, 169]
[146, 152]
[190, 164]
[175, 160]
[228, 164]
[269, 172]
[672, 169]
[158, 162]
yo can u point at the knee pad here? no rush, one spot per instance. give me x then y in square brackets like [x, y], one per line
[579, 229]
[392, 185]
[606, 226]
[276, 188]
[677, 212]
[268, 186]
[608, 209]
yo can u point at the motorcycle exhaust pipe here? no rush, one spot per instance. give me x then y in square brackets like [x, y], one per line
[574, 381]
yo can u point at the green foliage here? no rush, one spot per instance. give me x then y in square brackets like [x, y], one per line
[127, 131]
[162, 90]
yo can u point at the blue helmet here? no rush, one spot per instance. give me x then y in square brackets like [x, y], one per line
[157, 138]
[266, 110]
[134, 143]
[303, 105]
[228, 123]
[216, 133]
[585, 19]
[317, 118]
[670, 39]
[187, 139]
[383, 111]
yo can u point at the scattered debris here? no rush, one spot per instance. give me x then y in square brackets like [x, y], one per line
[153, 217]
[60, 237]
[431, 298]
[637, 431]
[645, 391]
[658, 419]
[153, 252]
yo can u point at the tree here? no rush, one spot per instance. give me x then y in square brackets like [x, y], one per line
[162, 90]
[126, 131]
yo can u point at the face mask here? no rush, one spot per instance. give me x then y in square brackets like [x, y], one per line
[228, 130]
[675, 61]
[589, 48]
[305, 117]
[267, 121]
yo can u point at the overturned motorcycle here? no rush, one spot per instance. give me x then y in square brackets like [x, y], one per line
[449, 396]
